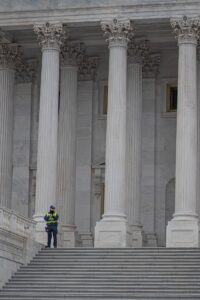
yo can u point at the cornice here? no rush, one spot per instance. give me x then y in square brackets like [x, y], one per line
[137, 11]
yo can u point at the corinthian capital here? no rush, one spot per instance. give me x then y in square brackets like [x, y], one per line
[25, 71]
[72, 53]
[10, 54]
[137, 51]
[117, 32]
[87, 68]
[151, 65]
[50, 36]
[186, 29]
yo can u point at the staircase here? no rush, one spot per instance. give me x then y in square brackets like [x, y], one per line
[79, 273]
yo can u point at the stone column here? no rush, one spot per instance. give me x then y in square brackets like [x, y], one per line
[49, 36]
[112, 230]
[22, 136]
[34, 137]
[150, 71]
[8, 56]
[133, 144]
[183, 229]
[198, 131]
[70, 56]
[86, 87]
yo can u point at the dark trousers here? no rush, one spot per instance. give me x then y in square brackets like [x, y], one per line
[52, 230]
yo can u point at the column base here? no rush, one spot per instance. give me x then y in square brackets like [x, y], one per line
[137, 236]
[182, 232]
[40, 233]
[112, 234]
[86, 239]
[150, 239]
[70, 237]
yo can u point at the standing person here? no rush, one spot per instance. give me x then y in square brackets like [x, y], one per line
[51, 219]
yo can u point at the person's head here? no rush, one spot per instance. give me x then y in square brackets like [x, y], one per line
[52, 208]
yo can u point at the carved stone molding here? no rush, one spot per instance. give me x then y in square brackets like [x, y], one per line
[137, 51]
[87, 68]
[118, 32]
[186, 30]
[151, 65]
[198, 52]
[10, 54]
[26, 70]
[50, 36]
[72, 53]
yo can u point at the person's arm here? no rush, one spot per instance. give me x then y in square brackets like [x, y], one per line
[56, 217]
[46, 218]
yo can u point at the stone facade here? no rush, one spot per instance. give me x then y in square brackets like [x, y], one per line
[86, 123]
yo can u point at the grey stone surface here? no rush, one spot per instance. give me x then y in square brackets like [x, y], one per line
[84, 156]
[21, 149]
[17, 246]
[148, 156]
[145, 274]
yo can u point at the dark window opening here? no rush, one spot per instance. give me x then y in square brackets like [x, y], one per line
[172, 95]
[105, 100]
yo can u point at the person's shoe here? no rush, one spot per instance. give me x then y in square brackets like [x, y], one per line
[46, 247]
[55, 246]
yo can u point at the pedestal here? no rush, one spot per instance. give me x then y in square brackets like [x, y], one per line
[70, 236]
[183, 233]
[112, 234]
[136, 236]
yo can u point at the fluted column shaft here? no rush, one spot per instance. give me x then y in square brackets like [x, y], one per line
[133, 151]
[185, 220]
[186, 142]
[6, 134]
[71, 54]
[198, 131]
[47, 135]
[46, 178]
[116, 133]
[8, 55]
[112, 230]
[67, 143]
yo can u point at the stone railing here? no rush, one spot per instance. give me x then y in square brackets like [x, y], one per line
[17, 242]
[12, 221]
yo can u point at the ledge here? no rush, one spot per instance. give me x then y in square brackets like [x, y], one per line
[29, 12]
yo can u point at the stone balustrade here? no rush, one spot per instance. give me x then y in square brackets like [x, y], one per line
[12, 221]
[18, 245]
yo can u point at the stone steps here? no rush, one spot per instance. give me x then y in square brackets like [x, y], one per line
[107, 278]
[146, 273]
[105, 296]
